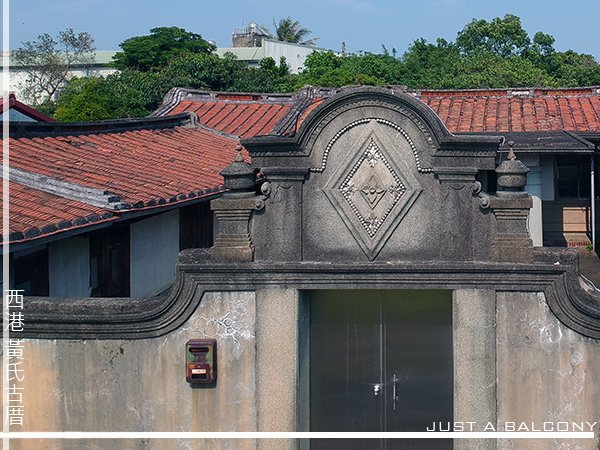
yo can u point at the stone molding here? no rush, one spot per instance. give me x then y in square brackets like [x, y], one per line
[142, 318]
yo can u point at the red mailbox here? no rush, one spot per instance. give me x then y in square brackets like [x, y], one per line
[201, 357]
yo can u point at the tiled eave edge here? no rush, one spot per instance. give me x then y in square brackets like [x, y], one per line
[141, 318]
[53, 129]
[123, 212]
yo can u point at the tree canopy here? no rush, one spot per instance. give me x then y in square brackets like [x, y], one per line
[48, 61]
[158, 48]
[290, 30]
[494, 54]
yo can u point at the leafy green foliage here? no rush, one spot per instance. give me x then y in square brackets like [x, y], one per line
[97, 98]
[495, 54]
[504, 37]
[158, 48]
[290, 30]
[132, 93]
[47, 62]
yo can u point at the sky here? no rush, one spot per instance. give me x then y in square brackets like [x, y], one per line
[363, 24]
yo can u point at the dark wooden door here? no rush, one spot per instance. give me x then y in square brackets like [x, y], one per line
[380, 360]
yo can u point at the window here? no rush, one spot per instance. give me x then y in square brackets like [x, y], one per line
[573, 177]
[109, 263]
[196, 226]
[30, 269]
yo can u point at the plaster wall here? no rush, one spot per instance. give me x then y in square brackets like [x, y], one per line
[547, 178]
[154, 249]
[546, 372]
[120, 385]
[535, 187]
[69, 267]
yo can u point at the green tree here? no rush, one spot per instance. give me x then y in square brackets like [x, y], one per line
[97, 98]
[290, 30]
[203, 71]
[48, 62]
[268, 77]
[158, 48]
[502, 36]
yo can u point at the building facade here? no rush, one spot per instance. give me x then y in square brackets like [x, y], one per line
[365, 281]
[103, 209]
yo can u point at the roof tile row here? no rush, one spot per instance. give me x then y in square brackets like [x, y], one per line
[143, 168]
[464, 111]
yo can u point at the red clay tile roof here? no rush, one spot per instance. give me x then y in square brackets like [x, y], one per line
[141, 168]
[240, 119]
[163, 160]
[34, 212]
[517, 110]
[464, 111]
[237, 114]
[137, 166]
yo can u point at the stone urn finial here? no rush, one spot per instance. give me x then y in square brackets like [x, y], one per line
[234, 210]
[511, 206]
[512, 174]
[239, 176]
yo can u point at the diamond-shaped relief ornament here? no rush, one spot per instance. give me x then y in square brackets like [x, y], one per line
[371, 193]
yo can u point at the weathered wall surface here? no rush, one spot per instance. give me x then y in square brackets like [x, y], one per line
[437, 226]
[546, 372]
[140, 385]
[154, 239]
[69, 267]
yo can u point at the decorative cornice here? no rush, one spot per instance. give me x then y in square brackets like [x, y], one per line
[575, 307]
[141, 318]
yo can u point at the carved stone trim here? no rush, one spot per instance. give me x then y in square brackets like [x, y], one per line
[334, 140]
[372, 169]
[573, 306]
[410, 142]
[365, 121]
[142, 318]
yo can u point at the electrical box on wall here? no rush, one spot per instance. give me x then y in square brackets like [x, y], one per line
[201, 355]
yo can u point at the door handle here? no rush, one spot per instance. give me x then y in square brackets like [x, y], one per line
[376, 390]
[394, 395]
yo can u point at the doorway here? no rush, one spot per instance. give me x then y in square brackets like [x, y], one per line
[380, 360]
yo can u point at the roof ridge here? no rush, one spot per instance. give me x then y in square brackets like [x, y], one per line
[233, 137]
[301, 100]
[176, 95]
[511, 92]
[65, 189]
[33, 129]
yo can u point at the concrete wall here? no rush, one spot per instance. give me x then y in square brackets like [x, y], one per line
[546, 372]
[18, 78]
[513, 362]
[69, 267]
[154, 249]
[140, 385]
[295, 55]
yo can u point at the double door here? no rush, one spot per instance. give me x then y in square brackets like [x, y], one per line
[380, 360]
